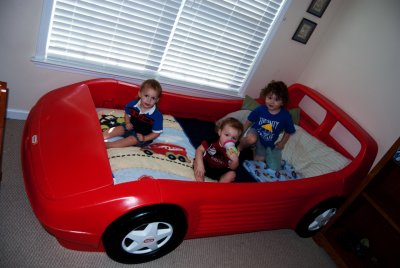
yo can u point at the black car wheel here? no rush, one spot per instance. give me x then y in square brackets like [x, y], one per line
[145, 235]
[171, 156]
[148, 152]
[317, 217]
[181, 158]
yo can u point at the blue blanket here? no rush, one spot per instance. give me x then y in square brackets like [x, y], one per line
[262, 173]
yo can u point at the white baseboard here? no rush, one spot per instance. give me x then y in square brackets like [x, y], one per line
[17, 114]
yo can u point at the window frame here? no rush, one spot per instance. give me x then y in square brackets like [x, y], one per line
[137, 78]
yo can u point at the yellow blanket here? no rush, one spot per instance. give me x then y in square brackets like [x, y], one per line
[170, 156]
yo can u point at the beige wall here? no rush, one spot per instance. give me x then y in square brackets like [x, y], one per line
[19, 25]
[286, 59]
[351, 58]
[357, 65]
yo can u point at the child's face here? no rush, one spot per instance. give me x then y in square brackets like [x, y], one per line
[228, 133]
[273, 103]
[148, 98]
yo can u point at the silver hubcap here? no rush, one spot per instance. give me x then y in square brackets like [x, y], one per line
[147, 238]
[322, 219]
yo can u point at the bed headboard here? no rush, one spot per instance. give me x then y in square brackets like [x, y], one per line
[114, 94]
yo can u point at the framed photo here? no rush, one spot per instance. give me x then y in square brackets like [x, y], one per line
[318, 7]
[396, 157]
[304, 31]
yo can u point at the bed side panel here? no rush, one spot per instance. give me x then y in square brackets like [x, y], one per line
[206, 109]
[334, 117]
[110, 93]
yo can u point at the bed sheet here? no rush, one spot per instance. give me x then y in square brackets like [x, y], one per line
[170, 156]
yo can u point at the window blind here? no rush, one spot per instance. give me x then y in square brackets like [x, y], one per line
[207, 43]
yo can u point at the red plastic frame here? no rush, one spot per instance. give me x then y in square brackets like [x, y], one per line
[69, 182]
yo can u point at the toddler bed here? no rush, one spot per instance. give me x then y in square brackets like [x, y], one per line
[91, 198]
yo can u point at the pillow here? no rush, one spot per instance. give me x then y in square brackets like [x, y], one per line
[250, 104]
[310, 156]
[295, 113]
[240, 115]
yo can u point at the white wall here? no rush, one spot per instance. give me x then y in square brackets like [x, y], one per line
[286, 59]
[351, 58]
[27, 82]
[357, 65]
[19, 25]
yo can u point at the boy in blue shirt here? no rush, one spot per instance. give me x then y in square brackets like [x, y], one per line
[266, 122]
[143, 121]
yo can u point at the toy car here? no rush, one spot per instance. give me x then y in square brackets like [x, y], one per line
[172, 151]
[70, 184]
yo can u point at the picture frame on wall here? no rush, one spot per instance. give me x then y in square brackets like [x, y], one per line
[304, 31]
[318, 7]
[396, 157]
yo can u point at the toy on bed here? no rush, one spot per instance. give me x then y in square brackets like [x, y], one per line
[91, 198]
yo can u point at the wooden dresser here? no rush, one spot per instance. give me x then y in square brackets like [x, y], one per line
[366, 230]
[3, 111]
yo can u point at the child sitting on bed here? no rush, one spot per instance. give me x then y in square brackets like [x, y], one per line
[213, 160]
[266, 122]
[143, 121]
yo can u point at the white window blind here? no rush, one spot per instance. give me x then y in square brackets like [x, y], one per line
[206, 44]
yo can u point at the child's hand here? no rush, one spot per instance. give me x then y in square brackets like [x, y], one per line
[233, 154]
[199, 169]
[129, 126]
[280, 145]
[234, 159]
[140, 136]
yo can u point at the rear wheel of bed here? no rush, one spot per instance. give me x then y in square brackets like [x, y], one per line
[144, 235]
[318, 217]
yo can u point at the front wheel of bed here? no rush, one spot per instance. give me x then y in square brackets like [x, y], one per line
[317, 217]
[144, 235]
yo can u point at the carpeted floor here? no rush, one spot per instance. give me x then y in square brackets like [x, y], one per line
[24, 243]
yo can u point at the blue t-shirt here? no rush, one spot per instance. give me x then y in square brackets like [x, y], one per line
[269, 126]
[144, 123]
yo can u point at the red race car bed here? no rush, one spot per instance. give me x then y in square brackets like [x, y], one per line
[90, 201]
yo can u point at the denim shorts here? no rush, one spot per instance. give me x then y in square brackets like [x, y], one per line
[273, 157]
[133, 133]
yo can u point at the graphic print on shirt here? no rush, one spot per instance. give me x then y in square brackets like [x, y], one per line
[214, 157]
[266, 131]
[141, 122]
